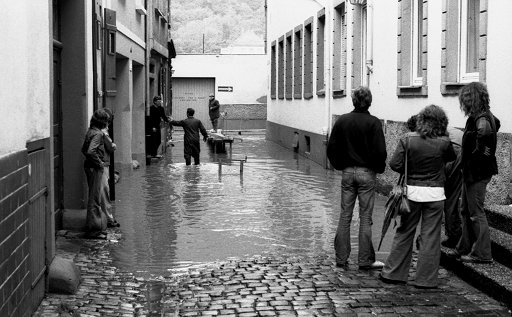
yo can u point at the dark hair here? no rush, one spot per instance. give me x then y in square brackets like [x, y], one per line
[474, 99]
[155, 98]
[99, 119]
[190, 112]
[362, 98]
[431, 122]
[110, 114]
[411, 123]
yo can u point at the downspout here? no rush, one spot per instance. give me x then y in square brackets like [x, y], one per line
[327, 75]
[369, 57]
[266, 24]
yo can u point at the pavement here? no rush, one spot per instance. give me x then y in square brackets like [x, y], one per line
[280, 285]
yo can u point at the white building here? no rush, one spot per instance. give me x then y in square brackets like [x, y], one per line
[410, 53]
[237, 80]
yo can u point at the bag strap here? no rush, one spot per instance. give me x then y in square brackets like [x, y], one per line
[406, 153]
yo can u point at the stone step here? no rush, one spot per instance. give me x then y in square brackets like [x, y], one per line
[500, 217]
[494, 279]
[501, 247]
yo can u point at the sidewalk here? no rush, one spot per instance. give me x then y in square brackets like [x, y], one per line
[285, 285]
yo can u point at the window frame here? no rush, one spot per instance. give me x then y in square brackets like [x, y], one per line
[308, 58]
[273, 70]
[451, 50]
[320, 50]
[339, 54]
[412, 69]
[464, 76]
[298, 39]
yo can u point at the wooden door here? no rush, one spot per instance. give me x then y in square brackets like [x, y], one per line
[192, 93]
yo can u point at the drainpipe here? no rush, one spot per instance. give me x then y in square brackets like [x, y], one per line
[369, 28]
[266, 23]
[327, 75]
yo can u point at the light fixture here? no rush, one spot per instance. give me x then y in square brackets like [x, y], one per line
[354, 2]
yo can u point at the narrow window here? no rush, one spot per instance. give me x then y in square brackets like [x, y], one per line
[280, 71]
[308, 144]
[308, 60]
[359, 47]
[320, 43]
[412, 50]
[297, 63]
[417, 42]
[289, 66]
[273, 71]
[339, 52]
[464, 53]
[469, 40]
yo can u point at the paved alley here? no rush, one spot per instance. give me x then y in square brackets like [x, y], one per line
[196, 242]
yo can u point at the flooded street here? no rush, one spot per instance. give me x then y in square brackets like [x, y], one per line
[176, 217]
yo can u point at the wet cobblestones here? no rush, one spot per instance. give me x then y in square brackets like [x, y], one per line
[281, 285]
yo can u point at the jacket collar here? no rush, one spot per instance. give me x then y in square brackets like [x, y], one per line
[361, 111]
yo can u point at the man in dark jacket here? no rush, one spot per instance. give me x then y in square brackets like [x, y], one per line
[191, 127]
[156, 115]
[214, 111]
[357, 148]
[478, 166]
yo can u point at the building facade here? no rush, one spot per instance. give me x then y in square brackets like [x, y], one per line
[90, 55]
[26, 164]
[410, 53]
[238, 81]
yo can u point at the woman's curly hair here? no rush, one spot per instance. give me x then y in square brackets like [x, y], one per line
[99, 119]
[431, 122]
[474, 99]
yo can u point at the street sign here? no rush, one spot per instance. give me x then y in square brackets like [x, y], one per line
[226, 88]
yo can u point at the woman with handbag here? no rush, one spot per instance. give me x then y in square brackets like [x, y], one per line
[421, 156]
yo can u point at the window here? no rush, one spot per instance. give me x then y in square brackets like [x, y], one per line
[273, 70]
[417, 42]
[469, 40]
[463, 57]
[359, 72]
[320, 46]
[297, 63]
[280, 70]
[339, 65]
[308, 59]
[412, 48]
[289, 67]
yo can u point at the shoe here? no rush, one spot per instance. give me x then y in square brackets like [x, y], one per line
[100, 235]
[450, 243]
[472, 259]
[377, 265]
[418, 286]
[390, 281]
[343, 265]
[454, 254]
[113, 224]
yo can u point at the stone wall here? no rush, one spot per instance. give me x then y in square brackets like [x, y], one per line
[499, 190]
[243, 116]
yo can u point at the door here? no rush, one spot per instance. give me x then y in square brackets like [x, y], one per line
[57, 131]
[192, 93]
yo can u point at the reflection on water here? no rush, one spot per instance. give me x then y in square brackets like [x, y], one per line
[174, 217]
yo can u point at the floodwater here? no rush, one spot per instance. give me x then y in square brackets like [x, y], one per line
[174, 217]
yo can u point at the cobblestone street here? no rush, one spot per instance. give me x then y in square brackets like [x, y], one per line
[210, 274]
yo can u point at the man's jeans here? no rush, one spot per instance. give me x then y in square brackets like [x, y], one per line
[357, 182]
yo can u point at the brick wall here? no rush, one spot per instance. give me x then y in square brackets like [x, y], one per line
[14, 230]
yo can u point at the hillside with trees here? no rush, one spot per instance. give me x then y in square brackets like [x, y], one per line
[219, 22]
